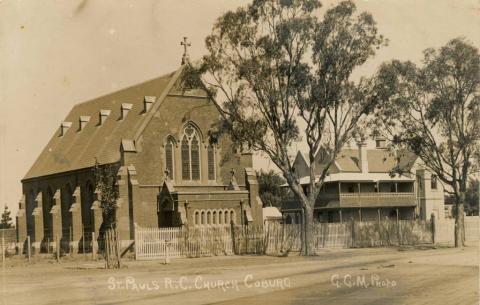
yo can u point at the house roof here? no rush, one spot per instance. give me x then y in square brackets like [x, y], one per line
[379, 160]
[78, 149]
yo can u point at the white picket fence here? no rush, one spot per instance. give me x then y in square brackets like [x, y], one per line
[157, 243]
[472, 228]
[281, 239]
[445, 230]
[162, 243]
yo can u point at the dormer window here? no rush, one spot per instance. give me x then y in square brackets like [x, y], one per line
[148, 102]
[64, 128]
[380, 143]
[125, 109]
[83, 122]
[103, 115]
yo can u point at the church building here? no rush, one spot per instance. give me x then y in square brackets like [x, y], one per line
[171, 170]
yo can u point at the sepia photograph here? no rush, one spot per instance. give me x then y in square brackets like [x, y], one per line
[240, 152]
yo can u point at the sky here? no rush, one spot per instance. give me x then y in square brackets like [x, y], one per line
[55, 54]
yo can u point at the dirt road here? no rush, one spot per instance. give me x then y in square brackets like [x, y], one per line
[354, 276]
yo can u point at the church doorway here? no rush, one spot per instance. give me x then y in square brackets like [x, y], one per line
[167, 214]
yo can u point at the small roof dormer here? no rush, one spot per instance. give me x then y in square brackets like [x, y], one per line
[64, 126]
[148, 102]
[125, 109]
[380, 142]
[103, 115]
[83, 120]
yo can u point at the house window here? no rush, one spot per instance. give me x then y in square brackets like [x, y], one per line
[433, 182]
[190, 150]
[169, 157]
[211, 162]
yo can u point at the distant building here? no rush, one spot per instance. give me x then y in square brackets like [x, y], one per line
[361, 185]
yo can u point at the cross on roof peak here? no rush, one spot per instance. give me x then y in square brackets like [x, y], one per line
[185, 45]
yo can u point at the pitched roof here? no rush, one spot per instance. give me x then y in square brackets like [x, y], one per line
[379, 160]
[78, 149]
[347, 160]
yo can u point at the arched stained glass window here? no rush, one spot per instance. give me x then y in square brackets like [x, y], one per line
[220, 217]
[190, 151]
[185, 159]
[211, 162]
[195, 155]
[169, 149]
[227, 217]
[197, 218]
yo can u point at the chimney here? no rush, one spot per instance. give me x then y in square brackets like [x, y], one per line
[103, 115]
[64, 128]
[380, 142]
[125, 109]
[362, 156]
[83, 121]
[148, 102]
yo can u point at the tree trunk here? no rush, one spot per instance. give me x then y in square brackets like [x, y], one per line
[309, 245]
[307, 204]
[460, 222]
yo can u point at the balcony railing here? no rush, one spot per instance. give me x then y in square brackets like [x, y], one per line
[358, 200]
[374, 194]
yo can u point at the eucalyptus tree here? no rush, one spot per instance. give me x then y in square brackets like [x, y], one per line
[433, 110]
[279, 75]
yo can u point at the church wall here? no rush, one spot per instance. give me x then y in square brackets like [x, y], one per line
[170, 120]
[53, 182]
[149, 161]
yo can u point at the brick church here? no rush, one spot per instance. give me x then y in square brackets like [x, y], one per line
[171, 171]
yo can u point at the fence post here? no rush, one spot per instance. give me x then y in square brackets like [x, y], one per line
[83, 241]
[233, 238]
[433, 223]
[353, 233]
[135, 240]
[57, 247]
[93, 246]
[28, 250]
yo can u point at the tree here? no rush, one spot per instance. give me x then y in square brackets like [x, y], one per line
[278, 76]
[6, 221]
[270, 188]
[433, 111]
[107, 187]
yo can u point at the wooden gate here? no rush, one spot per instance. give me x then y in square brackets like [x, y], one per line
[158, 243]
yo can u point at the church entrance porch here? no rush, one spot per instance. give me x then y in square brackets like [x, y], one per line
[168, 215]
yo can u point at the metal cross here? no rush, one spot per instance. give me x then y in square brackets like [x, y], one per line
[185, 45]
